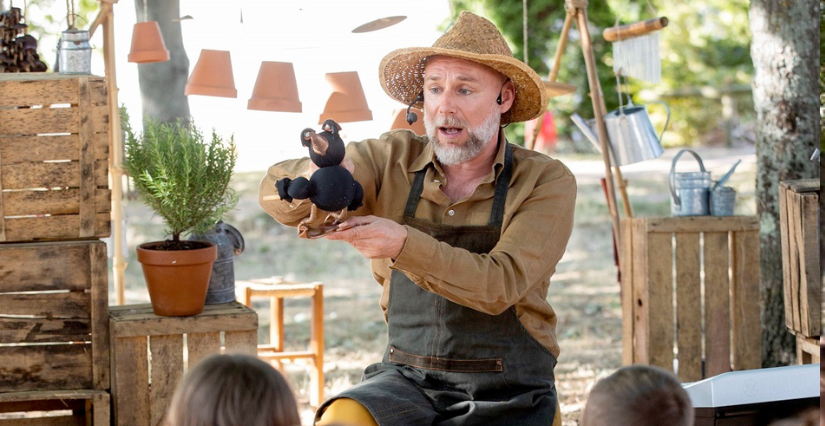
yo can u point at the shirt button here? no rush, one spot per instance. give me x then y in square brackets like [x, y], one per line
[451, 212]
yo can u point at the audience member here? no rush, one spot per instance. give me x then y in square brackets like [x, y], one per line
[233, 390]
[639, 395]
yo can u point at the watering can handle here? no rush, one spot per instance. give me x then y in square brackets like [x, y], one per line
[667, 121]
[676, 199]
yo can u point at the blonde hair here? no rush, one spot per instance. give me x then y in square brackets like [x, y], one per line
[233, 390]
[638, 395]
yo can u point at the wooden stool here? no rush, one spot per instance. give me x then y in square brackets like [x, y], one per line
[807, 349]
[277, 289]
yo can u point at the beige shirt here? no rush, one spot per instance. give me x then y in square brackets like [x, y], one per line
[538, 220]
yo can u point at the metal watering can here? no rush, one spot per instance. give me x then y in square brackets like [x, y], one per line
[689, 191]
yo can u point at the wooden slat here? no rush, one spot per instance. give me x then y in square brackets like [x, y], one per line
[50, 175]
[702, 224]
[131, 381]
[801, 185]
[50, 305]
[54, 227]
[747, 336]
[660, 304]
[10, 406]
[45, 367]
[626, 261]
[101, 413]
[201, 345]
[52, 397]
[807, 350]
[794, 259]
[134, 320]
[62, 202]
[99, 278]
[43, 330]
[43, 266]
[717, 304]
[87, 161]
[688, 306]
[167, 369]
[785, 241]
[49, 148]
[34, 92]
[45, 421]
[32, 121]
[810, 283]
[2, 207]
[641, 300]
[244, 342]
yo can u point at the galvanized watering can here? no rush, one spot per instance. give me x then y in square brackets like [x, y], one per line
[631, 134]
[689, 191]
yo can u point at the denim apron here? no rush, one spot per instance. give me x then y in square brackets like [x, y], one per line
[447, 364]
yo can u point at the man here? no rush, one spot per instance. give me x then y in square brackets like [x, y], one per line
[464, 231]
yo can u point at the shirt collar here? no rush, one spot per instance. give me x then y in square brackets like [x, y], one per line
[427, 156]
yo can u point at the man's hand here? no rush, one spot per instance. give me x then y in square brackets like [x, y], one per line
[374, 237]
[345, 163]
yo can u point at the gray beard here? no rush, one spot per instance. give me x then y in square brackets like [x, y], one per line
[449, 154]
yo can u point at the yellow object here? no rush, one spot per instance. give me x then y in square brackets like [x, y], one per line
[346, 412]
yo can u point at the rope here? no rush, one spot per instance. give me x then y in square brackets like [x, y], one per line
[524, 24]
[571, 5]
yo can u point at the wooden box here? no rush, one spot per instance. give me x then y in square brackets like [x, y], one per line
[151, 353]
[799, 226]
[54, 157]
[690, 292]
[54, 316]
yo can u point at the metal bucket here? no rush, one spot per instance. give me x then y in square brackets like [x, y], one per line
[722, 201]
[690, 191]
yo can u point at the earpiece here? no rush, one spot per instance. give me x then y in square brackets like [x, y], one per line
[411, 116]
[498, 100]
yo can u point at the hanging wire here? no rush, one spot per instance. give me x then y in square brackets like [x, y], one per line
[524, 24]
[145, 12]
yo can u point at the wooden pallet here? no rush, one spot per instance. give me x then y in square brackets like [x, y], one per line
[799, 226]
[716, 282]
[54, 157]
[138, 336]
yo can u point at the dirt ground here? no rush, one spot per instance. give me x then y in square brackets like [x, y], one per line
[584, 291]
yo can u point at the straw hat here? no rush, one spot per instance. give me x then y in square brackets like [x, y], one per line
[475, 39]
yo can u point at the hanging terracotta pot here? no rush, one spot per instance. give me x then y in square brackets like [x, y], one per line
[177, 279]
[147, 44]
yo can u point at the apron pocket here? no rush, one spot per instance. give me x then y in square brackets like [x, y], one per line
[487, 365]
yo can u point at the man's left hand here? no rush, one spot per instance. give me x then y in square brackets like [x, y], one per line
[374, 237]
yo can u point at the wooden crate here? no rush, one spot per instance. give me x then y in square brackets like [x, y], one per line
[54, 322]
[51, 408]
[54, 157]
[799, 226]
[808, 350]
[173, 344]
[690, 292]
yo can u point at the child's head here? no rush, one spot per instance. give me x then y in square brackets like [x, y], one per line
[638, 395]
[233, 390]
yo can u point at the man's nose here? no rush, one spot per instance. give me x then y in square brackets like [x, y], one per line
[446, 103]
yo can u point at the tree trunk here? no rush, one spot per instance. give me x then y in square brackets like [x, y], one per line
[785, 57]
[162, 83]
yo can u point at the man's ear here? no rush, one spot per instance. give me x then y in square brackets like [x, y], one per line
[508, 96]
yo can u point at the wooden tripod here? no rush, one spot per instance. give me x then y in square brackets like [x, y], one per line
[577, 11]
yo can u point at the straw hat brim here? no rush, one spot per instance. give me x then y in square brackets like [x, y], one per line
[401, 73]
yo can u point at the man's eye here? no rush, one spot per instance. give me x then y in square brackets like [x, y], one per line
[464, 91]
[435, 89]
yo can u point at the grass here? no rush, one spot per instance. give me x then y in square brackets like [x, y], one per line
[584, 291]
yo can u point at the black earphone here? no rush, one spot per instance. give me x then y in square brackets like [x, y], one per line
[411, 116]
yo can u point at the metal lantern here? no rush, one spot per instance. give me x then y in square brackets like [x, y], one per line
[75, 52]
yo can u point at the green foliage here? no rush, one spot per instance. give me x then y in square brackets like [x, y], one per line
[184, 179]
[706, 44]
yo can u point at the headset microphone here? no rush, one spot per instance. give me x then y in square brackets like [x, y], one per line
[411, 116]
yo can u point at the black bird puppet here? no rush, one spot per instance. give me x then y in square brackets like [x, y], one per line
[330, 188]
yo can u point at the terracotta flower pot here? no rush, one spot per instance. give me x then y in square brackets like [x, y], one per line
[177, 279]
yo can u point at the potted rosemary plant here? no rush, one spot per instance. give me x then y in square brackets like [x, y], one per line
[184, 180]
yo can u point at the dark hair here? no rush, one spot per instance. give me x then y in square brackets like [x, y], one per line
[233, 390]
[638, 395]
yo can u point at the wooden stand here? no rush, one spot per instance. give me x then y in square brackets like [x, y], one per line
[716, 260]
[175, 344]
[277, 290]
